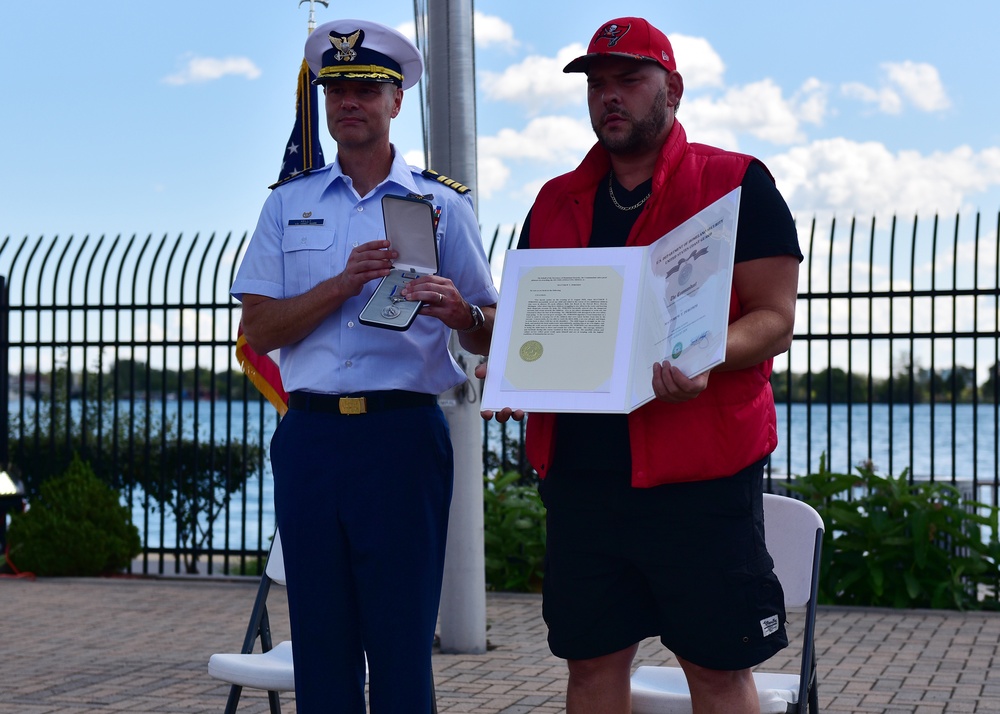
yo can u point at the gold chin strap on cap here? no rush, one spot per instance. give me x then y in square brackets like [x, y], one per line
[360, 71]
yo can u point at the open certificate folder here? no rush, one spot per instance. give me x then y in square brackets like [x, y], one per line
[578, 329]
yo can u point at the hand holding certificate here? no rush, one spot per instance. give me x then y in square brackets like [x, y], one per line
[577, 330]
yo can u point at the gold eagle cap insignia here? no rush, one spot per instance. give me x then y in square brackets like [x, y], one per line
[345, 46]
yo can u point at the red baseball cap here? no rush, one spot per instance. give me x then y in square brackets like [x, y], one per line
[630, 37]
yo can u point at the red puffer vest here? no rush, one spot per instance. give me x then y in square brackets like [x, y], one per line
[732, 423]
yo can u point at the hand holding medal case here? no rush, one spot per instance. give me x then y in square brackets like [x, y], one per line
[410, 228]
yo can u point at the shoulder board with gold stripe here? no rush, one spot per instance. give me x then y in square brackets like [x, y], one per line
[450, 183]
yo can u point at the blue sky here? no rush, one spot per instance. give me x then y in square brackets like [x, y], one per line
[171, 117]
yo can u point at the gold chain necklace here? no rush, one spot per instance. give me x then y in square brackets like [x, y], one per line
[620, 207]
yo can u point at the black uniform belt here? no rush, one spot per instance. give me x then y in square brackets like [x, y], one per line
[359, 403]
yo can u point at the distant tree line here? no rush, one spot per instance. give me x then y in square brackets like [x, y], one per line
[917, 385]
[128, 379]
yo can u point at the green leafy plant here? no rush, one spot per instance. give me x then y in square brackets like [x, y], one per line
[76, 525]
[514, 520]
[896, 543]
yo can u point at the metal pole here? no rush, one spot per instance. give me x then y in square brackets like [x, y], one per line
[452, 118]
[4, 370]
[312, 11]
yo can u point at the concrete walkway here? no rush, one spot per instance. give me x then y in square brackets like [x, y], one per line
[83, 646]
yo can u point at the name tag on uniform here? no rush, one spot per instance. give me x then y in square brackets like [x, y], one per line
[305, 222]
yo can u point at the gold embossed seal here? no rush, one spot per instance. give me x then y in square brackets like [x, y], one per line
[531, 350]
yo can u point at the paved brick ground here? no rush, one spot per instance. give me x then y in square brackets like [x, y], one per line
[83, 646]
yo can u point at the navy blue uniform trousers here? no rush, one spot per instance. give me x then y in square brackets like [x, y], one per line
[362, 507]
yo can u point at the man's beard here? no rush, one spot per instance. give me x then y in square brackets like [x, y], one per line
[644, 131]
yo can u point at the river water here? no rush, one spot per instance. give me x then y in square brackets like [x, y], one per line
[934, 441]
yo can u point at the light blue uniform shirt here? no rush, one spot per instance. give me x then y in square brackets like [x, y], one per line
[306, 231]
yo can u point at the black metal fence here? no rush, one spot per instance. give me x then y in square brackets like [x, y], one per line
[122, 349]
[913, 311]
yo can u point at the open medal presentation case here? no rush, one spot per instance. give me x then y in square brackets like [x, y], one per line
[410, 228]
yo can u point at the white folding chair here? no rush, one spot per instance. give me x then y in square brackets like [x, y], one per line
[794, 536]
[271, 668]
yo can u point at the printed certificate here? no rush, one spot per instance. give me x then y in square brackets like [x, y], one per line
[578, 329]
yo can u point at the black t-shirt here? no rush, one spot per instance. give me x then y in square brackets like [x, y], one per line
[765, 228]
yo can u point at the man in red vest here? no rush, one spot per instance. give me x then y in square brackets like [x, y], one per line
[655, 518]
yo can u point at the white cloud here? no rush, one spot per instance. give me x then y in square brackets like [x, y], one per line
[920, 83]
[886, 99]
[866, 178]
[208, 69]
[916, 82]
[408, 30]
[530, 190]
[836, 174]
[758, 109]
[811, 101]
[538, 82]
[491, 30]
[415, 158]
[553, 141]
[698, 63]
[492, 175]
[549, 140]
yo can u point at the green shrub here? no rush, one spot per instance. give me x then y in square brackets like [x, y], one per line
[514, 520]
[893, 543]
[76, 525]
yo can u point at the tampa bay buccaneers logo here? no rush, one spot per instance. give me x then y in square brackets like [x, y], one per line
[613, 33]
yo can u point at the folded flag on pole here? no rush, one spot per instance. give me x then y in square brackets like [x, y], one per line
[302, 153]
[262, 372]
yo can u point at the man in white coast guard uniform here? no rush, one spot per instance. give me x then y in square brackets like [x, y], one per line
[362, 461]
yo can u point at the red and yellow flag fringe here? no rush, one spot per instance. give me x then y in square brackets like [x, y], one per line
[262, 372]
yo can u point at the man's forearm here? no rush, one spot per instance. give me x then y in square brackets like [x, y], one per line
[270, 324]
[756, 337]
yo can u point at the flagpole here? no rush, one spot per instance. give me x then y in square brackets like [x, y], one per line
[452, 138]
[312, 11]
[262, 371]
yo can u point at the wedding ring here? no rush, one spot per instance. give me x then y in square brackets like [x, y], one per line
[440, 298]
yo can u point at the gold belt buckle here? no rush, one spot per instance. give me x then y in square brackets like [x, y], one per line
[353, 405]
